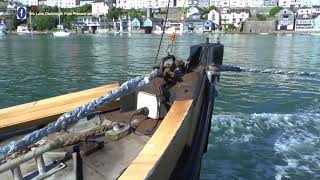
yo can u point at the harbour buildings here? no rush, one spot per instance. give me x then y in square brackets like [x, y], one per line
[308, 23]
[285, 20]
[308, 10]
[234, 17]
[100, 7]
[29, 2]
[63, 3]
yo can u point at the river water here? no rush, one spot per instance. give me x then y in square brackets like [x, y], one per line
[265, 126]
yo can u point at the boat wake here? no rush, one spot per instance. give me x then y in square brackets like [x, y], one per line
[264, 146]
[268, 71]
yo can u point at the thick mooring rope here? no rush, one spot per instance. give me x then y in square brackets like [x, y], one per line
[75, 115]
[268, 71]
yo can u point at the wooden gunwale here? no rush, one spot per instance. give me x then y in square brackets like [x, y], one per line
[43, 111]
[154, 150]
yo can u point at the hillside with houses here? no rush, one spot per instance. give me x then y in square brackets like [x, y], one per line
[185, 16]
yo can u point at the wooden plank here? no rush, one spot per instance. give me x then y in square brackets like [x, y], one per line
[167, 134]
[44, 111]
[55, 101]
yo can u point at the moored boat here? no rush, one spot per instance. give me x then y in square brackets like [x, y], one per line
[24, 29]
[61, 32]
[152, 127]
[2, 28]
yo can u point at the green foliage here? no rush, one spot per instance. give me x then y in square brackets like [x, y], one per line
[208, 9]
[82, 9]
[68, 20]
[42, 23]
[230, 27]
[182, 9]
[136, 14]
[45, 22]
[274, 10]
[3, 8]
[115, 13]
[13, 22]
[261, 17]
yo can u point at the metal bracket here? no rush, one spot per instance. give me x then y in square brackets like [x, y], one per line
[52, 171]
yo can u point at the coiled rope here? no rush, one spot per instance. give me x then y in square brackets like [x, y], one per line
[75, 115]
[268, 71]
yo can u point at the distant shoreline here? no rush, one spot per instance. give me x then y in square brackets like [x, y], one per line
[142, 32]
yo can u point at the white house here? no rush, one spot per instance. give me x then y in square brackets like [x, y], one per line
[194, 12]
[234, 16]
[42, 2]
[88, 20]
[64, 3]
[99, 7]
[311, 2]
[214, 16]
[269, 3]
[308, 22]
[131, 4]
[308, 10]
[285, 20]
[85, 2]
[29, 2]
[236, 3]
[139, 4]
[291, 3]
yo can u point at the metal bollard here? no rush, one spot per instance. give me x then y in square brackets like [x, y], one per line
[16, 172]
[41, 165]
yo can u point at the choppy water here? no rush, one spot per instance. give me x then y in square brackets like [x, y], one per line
[265, 126]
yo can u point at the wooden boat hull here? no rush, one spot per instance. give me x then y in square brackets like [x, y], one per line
[173, 151]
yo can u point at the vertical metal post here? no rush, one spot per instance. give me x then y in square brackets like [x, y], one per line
[16, 172]
[41, 165]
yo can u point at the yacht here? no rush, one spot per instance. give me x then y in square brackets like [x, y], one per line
[61, 32]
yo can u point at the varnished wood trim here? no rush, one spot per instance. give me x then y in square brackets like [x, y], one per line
[43, 111]
[167, 134]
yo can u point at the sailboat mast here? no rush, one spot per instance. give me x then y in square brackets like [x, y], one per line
[30, 14]
[59, 14]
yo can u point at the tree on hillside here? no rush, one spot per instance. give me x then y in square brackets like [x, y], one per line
[136, 14]
[87, 8]
[3, 8]
[45, 22]
[13, 22]
[114, 13]
[208, 9]
[274, 10]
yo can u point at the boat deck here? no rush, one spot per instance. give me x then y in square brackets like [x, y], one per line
[107, 163]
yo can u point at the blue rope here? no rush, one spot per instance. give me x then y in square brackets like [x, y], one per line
[268, 71]
[75, 115]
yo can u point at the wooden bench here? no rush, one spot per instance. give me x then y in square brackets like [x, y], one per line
[44, 111]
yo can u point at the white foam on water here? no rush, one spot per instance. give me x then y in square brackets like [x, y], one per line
[264, 146]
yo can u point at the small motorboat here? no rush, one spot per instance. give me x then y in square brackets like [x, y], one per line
[23, 29]
[151, 127]
[61, 34]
